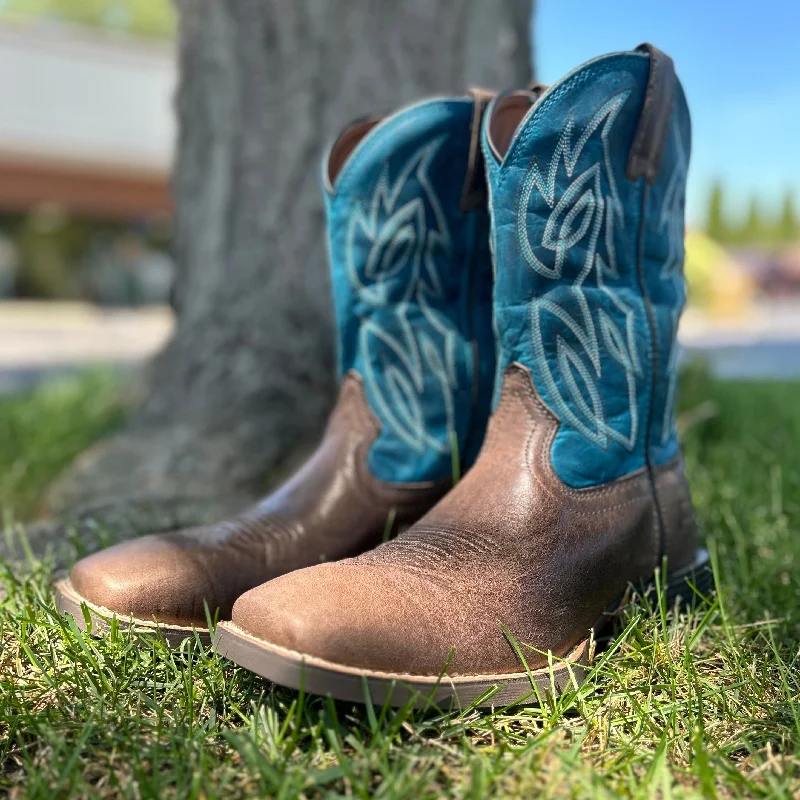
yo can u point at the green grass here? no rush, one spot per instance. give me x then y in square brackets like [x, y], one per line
[703, 703]
[42, 432]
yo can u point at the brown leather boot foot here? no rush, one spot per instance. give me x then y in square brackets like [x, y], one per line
[511, 554]
[331, 509]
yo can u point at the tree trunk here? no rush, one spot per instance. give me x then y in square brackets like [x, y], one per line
[248, 379]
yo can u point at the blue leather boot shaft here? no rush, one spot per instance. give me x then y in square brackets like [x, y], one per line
[412, 290]
[589, 268]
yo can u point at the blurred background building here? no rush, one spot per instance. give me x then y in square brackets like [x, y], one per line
[86, 137]
[86, 141]
[87, 133]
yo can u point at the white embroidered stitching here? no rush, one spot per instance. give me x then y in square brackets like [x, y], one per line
[401, 238]
[583, 196]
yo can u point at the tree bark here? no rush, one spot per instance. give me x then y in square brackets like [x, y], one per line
[248, 379]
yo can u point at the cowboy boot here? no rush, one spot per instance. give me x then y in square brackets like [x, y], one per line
[409, 251]
[579, 489]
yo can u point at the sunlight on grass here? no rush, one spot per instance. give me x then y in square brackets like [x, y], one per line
[702, 702]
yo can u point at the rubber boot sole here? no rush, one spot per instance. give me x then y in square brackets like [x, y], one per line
[68, 601]
[320, 677]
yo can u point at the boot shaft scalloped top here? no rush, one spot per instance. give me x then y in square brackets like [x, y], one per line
[412, 282]
[587, 183]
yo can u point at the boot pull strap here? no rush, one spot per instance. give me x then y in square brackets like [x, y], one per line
[644, 158]
[474, 193]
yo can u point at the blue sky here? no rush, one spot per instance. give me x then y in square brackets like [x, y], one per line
[740, 66]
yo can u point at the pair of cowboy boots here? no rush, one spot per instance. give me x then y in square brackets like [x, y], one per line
[515, 260]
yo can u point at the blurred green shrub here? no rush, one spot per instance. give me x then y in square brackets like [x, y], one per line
[155, 18]
[716, 282]
[51, 248]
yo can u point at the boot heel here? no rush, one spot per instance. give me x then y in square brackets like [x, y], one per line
[689, 582]
[686, 584]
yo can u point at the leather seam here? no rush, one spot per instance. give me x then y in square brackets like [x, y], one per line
[529, 394]
[658, 518]
[596, 494]
[369, 488]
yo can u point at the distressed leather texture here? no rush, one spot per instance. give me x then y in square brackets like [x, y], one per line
[510, 544]
[333, 507]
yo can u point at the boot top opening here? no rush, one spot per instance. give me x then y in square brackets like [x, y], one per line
[508, 113]
[344, 146]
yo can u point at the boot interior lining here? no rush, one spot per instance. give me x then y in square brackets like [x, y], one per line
[345, 145]
[508, 114]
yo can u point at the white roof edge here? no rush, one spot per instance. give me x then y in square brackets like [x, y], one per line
[80, 97]
[67, 36]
